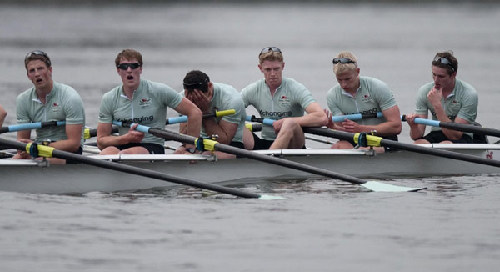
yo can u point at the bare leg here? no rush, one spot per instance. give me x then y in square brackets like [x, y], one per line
[290, 136]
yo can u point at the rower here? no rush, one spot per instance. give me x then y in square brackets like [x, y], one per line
[142, 102]
[360, 94]
[210, 97]
[449, 99]
[284, 100]
[47, 101]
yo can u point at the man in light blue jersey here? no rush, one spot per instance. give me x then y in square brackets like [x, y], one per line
[359, 94]
[142, 102]
[449, 99]
[48, 101]
[211, 97]
[284, 100]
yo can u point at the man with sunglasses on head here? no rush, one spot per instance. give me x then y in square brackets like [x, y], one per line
[47, 101]
[284, 100]
[449, 99]
[140, 101]
[211, 97]
[360, 94]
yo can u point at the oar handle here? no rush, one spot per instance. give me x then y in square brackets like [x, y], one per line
[184, 118]
[265, 121]
[27, 126]
[457, 126]
[356, 116]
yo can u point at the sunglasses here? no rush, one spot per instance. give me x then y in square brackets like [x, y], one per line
[202, 86]
[342, 60]
[443, 60]
[38, 53]
[270, 49]
[125, 66]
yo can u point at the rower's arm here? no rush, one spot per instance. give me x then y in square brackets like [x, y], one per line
[193, 113]
[73, 141]
[315, 116]
[416, 130]
[393, 125]
[224, 130]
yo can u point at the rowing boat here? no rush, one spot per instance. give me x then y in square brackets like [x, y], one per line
[27, 176]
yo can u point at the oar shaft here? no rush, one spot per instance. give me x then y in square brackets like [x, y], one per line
[459, 127]
[410, 147]
[184, 118]
[27, 126]
[356, 116]
[135, 170]
[252, 155]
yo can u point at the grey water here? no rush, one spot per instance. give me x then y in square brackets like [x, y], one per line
[322, 225]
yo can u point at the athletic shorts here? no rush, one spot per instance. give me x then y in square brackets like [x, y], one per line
[438, 136]
[260, 144]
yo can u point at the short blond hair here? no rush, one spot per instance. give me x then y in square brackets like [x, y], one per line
[271, 56]
[340, 68]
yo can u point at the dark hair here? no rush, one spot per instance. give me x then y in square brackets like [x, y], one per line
[128, 54]
[446, 60]
[196, 79]
[37, 55]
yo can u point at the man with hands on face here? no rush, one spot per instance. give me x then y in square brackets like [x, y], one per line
[211, 97]
[449, 99]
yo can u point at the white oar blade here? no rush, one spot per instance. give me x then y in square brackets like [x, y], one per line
[384, 187]
[271, 197]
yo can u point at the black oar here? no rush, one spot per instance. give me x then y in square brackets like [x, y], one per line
[48, 152]
[92, 132]
[207, 144]
[26, 126]
[457, 126]
[378, 141]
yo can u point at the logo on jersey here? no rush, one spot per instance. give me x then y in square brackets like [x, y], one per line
[366, 98]
[55, 107]
[144, 102]
[275, 114]
[284, 101]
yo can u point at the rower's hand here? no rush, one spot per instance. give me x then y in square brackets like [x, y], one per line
[200, 100]
[410, 119]
[22, 154]
[134, 136]
[350, 126]
[277, 125]
[330, 123]
[435, 96]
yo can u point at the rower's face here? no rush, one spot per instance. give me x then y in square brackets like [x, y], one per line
[130, 76]
[442, 80]
[348, 80]
[273, 71]
[39, 74]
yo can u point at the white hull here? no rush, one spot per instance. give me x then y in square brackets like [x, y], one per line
[27, 176]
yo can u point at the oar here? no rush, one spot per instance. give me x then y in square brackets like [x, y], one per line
[26, 126]
[92, 132]
[254, 127]
[378, 141]
[184, 118]
[457, 126]
[356, 116]
[207, 144]
[48, 152]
